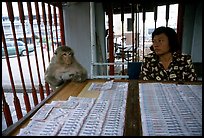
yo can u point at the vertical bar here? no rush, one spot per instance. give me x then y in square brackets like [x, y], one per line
[137, 32]
[40, 84]
[6, 110]
[55, 23]
[110, 40]
[143, 19]
[136, 47]
[138, 35]
[61, 22]
[42, 53]
[45, 24]
[50, 23]
[16, 100]
[181, 9]
[22, 18]
[167, 14]
[93, 36]
[122, 21]
[38, 22]
[133, 46]
[35, 99]
[155, 16]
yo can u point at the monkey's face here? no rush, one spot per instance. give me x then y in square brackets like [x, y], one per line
[64, 55]
[66, 58]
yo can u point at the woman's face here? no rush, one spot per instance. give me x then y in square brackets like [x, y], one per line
[161, 44]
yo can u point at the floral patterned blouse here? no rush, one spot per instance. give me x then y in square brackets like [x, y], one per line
[180, 68]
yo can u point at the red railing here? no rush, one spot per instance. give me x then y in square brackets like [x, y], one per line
[49, 19]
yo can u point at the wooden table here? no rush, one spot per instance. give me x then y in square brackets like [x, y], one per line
[132, 116]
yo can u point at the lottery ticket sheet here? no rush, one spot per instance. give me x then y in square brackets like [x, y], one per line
[170, 109]
[81, 116]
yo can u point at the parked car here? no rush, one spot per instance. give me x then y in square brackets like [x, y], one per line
[21, 48]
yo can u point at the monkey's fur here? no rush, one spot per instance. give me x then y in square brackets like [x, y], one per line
[64, 67]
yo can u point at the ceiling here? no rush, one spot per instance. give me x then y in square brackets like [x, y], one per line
[139, 5]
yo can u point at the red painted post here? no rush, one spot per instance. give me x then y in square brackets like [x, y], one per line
[61, 22]
[110, 40]
[39, 29]
[6, 111]
[55, 22]
[41, 46]
[50, 23]
[45, 24]
[30, 15]
[22, 18]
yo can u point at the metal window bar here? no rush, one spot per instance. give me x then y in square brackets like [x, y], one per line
[123, 37]
[133, 32]
[55, 24]
[6, 110]
[110, 39]
[167, 14]
[50, 23]
[137, 31]
[155, 17]
[46, 34]
[30, 15]
[22, 18]
[42, 53]
[143, 40]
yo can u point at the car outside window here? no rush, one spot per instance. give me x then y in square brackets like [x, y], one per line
[9, 45]
[20, 43]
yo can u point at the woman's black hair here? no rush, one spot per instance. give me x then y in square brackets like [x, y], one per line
[172, 36]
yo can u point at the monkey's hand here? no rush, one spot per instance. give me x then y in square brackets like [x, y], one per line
[67, 76]
[79, 77]
[54, 83]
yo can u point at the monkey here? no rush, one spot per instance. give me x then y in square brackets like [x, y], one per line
[64, 67]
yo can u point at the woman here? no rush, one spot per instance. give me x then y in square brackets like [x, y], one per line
[166, 63]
